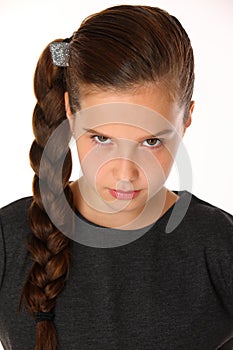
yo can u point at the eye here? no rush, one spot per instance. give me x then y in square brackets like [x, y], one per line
[152, 143]
[101, 139]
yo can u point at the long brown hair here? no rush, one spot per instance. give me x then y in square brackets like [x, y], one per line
[119, 48]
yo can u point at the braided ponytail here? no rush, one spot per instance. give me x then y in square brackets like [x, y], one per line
[48, 246]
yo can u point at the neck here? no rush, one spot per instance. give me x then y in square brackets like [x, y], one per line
[125, 220]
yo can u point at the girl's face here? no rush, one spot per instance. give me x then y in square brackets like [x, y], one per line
[126, 143]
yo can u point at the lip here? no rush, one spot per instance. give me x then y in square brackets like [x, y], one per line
[124, 195]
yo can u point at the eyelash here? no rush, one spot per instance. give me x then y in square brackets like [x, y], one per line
[94, 139]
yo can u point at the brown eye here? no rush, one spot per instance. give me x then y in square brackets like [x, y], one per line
[102, 138]
[153, 142]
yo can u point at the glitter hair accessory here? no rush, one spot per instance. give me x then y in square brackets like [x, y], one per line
[60, 52]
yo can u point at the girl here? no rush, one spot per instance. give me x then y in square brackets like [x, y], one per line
[122, 86]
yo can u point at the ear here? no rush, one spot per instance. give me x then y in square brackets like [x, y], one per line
[189, 119]
[67, 105]
[68, 110]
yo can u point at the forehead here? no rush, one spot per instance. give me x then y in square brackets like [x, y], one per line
[151, 95]
[123, 119]
[148, 107]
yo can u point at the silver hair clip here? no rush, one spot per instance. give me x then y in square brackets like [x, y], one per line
[60, 52]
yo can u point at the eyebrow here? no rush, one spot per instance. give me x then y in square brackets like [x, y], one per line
[162, 132]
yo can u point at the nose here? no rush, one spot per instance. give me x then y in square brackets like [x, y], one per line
[125, 170]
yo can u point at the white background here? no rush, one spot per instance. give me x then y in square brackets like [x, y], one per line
[27, 26]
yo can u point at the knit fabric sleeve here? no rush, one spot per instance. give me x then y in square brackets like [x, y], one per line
[2, 254]
[13, 232]
[219, 258]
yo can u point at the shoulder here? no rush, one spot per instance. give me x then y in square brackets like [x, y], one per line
[215, 231]
[15, 223]
[204, 215]
[206, 206]
[213, 228]
[206, 232]
[197, 219]
[14, 229]
[16, 214]
[201, 224]
[211, 218]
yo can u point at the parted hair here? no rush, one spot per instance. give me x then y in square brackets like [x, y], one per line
[118, 48]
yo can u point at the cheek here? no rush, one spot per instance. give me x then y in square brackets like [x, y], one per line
[94, 163]
[166, 161]
[158, 171]
[102, 175]
[166, 157]
[83, 149]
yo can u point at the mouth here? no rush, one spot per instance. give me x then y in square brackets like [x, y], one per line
[124, 195]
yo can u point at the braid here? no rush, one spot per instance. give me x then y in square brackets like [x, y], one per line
[49, 247]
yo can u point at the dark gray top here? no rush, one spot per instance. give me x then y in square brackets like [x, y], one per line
[163, 291]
